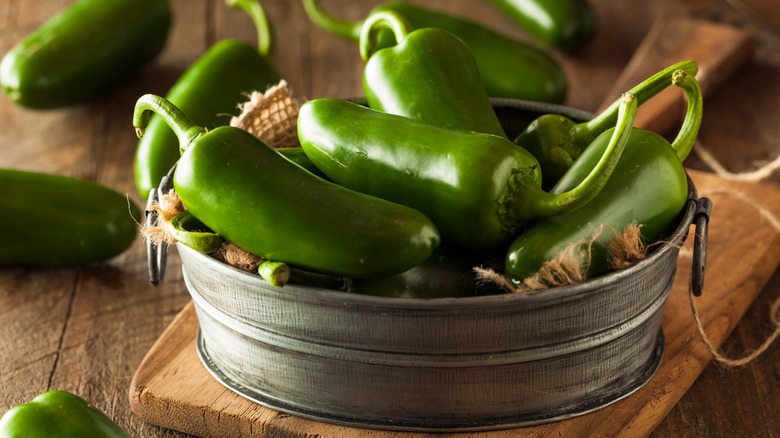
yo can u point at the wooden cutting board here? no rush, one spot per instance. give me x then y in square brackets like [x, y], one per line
[171, 388]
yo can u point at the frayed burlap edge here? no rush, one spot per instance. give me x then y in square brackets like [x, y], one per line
[571, 264]
[271, 116]
[168, 207]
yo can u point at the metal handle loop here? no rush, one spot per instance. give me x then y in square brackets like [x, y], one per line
[701, 220]
[157, 254]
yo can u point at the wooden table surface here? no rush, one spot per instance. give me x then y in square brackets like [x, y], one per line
[86, 329]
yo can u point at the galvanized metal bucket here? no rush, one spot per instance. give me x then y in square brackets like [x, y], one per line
[442, 364]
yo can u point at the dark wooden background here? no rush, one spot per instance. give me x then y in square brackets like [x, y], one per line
[86, 329]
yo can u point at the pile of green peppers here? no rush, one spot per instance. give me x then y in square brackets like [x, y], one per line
[426, 165]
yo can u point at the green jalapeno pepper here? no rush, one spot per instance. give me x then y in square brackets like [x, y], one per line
[556, 141]
[57, 220]
[564, 24]
[477, 188]
[648, 186]
[252, 196]
[58, 414]
[429, 75]
[209, 92]
[509, 67]
[84, 51]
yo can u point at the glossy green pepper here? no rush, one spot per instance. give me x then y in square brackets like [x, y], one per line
[58, 414]
[556, 141]
[429, 75]
[477, 188]
[255, 198]
[209, 92]
[56, 220]
[563, 24]
[648, 186]
[508, 67]
[84, 51]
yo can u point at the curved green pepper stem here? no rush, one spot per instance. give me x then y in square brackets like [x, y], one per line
[683, 143]
[184, 128]
[183, 227]
[377, 22]
[256, 12]
[588, 131]
[345, 29]
[536, 202]
[275, 273]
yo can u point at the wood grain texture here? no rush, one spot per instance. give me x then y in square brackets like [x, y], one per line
[87, 329]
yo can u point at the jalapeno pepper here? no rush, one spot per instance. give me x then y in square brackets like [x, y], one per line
[252, 196]
[509, 67]
[564, 24]
[556, 141]
[209, 92]
[477, 188]
[59, 414]
[84, 51]
[56, 220]
[648, 186]
[429, 75]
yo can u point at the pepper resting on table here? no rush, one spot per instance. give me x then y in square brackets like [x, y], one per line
[477, 188]
[563, 24]
[209, 92]
[429, 75]
[556, 141]
[648, 187]
[54, 220]
[252, 196]
[58, 414]
[509, 67]
[84, 51]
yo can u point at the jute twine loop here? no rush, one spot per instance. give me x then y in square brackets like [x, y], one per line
[774, 312]
[271, 116]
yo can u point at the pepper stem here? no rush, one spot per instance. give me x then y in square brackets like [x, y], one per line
[375, 23]
[185, 129]
[685, 139]
[256, 12]
[535, 202]
[644, 91]
[345, 29]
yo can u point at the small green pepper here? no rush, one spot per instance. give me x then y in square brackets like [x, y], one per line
[429, 75]
[255, 198]
[509, 67]
[58, 414]
[57, 220]
[84, 51]
[648, 186]
[209, 92]
[563, 24]
[477, 188]
[556, 141]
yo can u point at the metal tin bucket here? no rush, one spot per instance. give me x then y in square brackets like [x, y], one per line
[442, 364]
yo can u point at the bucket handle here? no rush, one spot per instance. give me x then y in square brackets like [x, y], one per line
[157, 254]
[701, 220]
